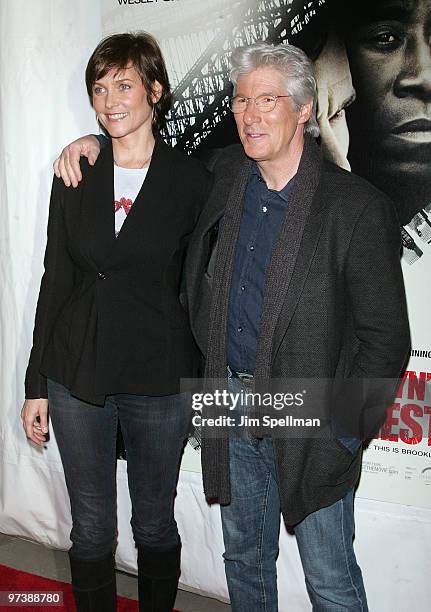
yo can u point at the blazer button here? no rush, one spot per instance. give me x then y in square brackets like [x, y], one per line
[101, 275]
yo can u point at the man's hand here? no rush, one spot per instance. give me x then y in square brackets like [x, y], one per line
[34, 415]
[67, 165]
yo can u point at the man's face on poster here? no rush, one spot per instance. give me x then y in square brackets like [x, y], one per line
[389, 50]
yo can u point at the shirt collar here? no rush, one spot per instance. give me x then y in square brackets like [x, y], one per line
[283, 193]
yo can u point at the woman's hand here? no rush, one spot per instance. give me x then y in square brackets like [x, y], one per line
[34, 415]
[67, 165]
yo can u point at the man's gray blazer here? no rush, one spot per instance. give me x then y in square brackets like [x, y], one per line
[334, 308]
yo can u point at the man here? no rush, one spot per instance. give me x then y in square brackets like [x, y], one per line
[303, 284]
[389, 50]
[290, 276]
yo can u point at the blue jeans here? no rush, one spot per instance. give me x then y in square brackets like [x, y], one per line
[251, 524]
[154, 430]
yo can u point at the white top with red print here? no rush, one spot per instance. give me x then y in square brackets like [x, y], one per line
[127, 184]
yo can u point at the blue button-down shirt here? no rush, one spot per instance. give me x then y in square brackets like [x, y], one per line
[263, 214]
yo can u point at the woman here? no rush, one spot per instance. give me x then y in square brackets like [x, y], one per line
[111, 340]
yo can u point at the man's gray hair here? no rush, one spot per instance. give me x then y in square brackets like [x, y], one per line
[291, 62]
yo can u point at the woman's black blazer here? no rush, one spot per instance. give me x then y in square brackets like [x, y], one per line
[108, 318]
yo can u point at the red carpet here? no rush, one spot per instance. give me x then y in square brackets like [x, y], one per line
[14, 580]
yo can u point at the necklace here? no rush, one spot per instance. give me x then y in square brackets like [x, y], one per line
[139, 167]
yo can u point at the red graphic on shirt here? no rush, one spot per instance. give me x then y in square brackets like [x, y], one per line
[125, 203]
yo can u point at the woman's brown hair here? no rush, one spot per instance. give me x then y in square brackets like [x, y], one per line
[142, 51]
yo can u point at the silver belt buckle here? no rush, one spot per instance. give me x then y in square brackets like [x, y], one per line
[245, 378]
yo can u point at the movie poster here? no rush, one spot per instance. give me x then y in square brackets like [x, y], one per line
[372, 62]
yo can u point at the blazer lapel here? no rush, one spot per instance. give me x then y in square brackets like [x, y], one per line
[218, 313]
[230, 185]
[224, 202]
[291, 257]
[152, 205]
[153, 198]
[98, 194]
[310, 238]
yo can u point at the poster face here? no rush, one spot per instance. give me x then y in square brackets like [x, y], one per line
[372, 63]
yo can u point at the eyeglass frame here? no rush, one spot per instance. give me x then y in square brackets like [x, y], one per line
[255, 103]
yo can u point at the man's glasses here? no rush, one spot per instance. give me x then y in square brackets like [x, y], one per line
[264, 103]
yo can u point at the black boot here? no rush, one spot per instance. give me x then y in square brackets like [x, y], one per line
[158, 574]
[93, 584]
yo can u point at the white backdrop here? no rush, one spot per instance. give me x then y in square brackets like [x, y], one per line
[44, 46]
